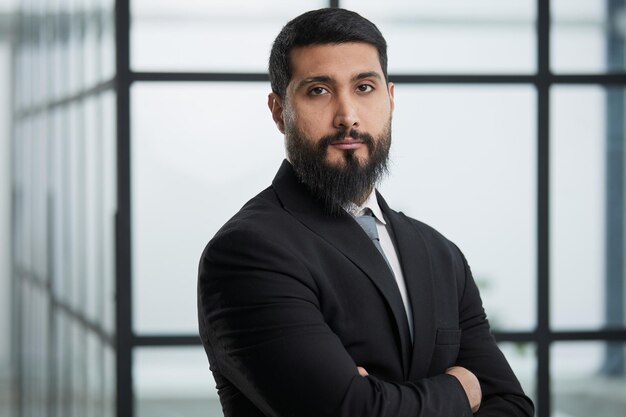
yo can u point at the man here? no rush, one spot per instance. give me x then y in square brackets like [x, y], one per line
[317, 299]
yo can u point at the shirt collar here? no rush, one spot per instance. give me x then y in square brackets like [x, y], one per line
[371, 203]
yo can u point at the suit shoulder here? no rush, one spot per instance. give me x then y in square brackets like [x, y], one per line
[258, 218]
[428, 232]
[435, 240]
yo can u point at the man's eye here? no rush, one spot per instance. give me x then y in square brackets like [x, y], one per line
[316, 91]
[365, 88]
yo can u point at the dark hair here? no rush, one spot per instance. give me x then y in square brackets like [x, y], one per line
[323, 26]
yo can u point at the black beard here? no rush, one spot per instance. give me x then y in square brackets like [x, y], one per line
[340, 184]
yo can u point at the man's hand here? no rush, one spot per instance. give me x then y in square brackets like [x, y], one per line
[470, 384]
[362, 371]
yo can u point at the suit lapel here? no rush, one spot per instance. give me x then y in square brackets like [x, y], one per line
[418, 276]
[344, 233]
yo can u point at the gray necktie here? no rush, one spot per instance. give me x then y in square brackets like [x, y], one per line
[368, 223]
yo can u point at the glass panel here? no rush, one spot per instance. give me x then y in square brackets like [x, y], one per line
[60, 185]
[463, 161]
[76, 209]
[588, 379]
[94, 376]
[75, 50]
[79, 372]
[190, 150]
[107, 39]
[92, 280]
[24, 344]
[221, 35]
[38, 192]
[90, 45]
[40, 56]
[455, 36]
[174, 381]
[109, 383]
[54, 52]
[109, 206]
[587, 207]
[18, 204]
[8, 6]
[38, 348]
[23, 205]
[582, 33]
[63, 365]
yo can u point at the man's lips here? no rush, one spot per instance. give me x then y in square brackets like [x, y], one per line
[348, 143]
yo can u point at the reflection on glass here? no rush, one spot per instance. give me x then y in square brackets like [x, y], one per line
[582, 33]
[191, 151]
[463, 161]
[588, 379]
[587, 207]
[221, 35]
[174, 381]
[452, 36]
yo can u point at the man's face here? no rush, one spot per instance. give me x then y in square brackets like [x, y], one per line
[336, 117]
[335, 89]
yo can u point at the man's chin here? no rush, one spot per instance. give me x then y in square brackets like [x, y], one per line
[346, 157]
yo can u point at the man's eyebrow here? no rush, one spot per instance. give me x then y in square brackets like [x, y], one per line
[315, 79]
[327, 79]
[367, 74]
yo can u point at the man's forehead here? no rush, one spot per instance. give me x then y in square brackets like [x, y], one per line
[332, 60]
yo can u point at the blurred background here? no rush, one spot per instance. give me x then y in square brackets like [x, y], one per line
[130, 131]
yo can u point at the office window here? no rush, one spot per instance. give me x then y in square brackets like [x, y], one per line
[455, 36]
[130, 122]
[463, 161]
[191, 147]
[169, 381]
[220, 36]
[64, 173]
[584, 217]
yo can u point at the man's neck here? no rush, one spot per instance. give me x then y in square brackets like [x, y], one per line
[364, 198]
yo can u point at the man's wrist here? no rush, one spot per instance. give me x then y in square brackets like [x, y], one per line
[470, 385]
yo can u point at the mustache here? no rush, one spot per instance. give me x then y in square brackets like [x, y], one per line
[364, 137]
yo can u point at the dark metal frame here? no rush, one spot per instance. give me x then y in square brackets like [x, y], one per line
[543, 336]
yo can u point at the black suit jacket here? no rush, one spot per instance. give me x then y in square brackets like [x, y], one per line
[291, 300]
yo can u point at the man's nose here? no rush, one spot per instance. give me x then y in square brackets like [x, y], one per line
[346, 114]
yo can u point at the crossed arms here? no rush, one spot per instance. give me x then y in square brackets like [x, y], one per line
[261, 323]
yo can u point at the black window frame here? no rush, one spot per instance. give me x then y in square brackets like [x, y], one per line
[543, 336]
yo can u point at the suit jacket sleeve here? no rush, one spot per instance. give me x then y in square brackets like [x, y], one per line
[502, 394]
[261, 323]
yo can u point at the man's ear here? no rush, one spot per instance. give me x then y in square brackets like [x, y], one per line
[391, 89]
[274, 102]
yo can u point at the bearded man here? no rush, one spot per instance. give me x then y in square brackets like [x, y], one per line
[317, 299]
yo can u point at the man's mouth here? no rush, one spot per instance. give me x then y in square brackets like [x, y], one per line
[347, 143]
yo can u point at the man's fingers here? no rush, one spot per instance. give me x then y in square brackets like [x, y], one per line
[362, 371]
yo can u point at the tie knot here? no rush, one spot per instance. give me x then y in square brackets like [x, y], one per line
[368, 224]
